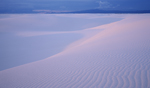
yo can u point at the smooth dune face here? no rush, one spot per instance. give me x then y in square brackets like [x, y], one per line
[26, 38]
[115, 55]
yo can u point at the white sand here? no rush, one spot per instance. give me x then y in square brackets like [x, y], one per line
[115, 55]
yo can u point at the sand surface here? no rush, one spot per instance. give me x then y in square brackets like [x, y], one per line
[115, 55]
[26, 38]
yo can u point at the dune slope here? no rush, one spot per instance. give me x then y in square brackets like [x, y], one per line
[116, 56]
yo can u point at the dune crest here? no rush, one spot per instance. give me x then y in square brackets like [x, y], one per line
[116, 55]
[131, 26]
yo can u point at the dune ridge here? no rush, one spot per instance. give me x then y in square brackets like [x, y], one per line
[115, 57]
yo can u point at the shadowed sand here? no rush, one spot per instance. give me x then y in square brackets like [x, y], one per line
[26, 38]
[114, 55]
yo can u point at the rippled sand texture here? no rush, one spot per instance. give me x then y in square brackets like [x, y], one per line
[115, 55]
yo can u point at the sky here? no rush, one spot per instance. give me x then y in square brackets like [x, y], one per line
[31, 6]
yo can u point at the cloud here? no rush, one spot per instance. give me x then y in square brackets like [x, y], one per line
[104, 4]
[50, 11]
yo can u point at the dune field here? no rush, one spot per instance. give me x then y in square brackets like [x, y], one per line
[113, 55]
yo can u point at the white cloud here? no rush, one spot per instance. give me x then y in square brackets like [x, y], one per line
[104, 4]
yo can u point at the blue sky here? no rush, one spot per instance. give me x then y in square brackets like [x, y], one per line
[24, 6]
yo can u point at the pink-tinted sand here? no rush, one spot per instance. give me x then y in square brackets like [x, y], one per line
[115, 55]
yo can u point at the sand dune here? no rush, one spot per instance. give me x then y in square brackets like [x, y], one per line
[115, 55]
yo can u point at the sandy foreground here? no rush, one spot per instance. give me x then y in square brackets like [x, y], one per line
[115, 55]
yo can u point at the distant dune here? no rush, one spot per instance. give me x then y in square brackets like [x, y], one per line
[115, 55]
